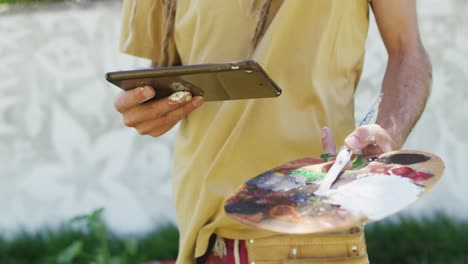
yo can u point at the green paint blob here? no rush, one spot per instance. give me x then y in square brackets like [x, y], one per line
[358, 163]
[310, 175]
[327, 156]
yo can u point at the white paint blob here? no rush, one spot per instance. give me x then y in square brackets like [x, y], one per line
[375, 196]
[179, 97]
[179, 87]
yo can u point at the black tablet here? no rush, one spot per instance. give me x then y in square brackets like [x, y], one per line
[215, 82]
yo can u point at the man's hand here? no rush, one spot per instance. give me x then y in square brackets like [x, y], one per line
[369, 139]
[156, 117]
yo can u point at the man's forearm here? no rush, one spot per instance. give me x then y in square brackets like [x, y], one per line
[406, 88]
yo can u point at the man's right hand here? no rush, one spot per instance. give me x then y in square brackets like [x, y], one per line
[156, 117]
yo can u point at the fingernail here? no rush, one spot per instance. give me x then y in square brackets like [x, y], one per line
[197, 101]
[352, 142]
[147, 92]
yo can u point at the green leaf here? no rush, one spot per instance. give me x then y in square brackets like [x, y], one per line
[101, 259]
[131, 246]
[117, 260]
[71, 252]
[92, 217]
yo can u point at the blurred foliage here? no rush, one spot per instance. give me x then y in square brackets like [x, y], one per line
[438, 239]
[86, 239]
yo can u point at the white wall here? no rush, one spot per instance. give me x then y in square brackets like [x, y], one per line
[64, 150]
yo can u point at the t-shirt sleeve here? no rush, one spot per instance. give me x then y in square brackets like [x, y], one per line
[142, 29]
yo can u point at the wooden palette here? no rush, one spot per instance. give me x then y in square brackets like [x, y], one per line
[283, 200]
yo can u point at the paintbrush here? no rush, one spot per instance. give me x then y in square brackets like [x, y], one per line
[344, 155]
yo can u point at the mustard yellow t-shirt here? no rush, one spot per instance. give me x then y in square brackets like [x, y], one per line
[313, 49]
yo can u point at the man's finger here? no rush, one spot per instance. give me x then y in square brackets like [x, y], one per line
[154, 128]
[328, 143]
[128, 99]
[177, 114]
[161, 125]
[369, 136]
[372, 150]
[160, 109]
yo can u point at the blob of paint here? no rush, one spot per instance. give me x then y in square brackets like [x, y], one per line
[179, 97]
[375, 196]
[179, 87]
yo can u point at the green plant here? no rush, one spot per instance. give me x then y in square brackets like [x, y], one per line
[100, 254]
[86, 239]
[437, 239]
